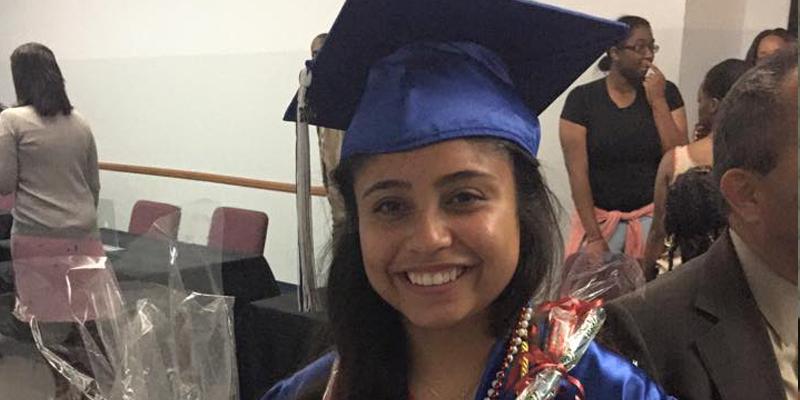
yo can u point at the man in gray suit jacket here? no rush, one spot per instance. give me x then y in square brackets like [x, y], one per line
[724, 326]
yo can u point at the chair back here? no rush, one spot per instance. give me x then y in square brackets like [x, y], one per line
[238, 230]
[154, 219]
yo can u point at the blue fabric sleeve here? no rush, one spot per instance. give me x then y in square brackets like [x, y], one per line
[312, 376]
[604, 375]
[607, 375]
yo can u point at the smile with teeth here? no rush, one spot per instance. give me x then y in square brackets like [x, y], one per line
[434, 278]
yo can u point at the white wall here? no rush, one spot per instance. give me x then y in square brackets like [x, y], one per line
[760, 15]
[198, 85]
[716, 30]
[202, 85]
[88, 29]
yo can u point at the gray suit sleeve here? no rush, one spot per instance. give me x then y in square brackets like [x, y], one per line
[621, 332]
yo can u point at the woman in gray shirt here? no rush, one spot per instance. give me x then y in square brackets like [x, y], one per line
[47, 152]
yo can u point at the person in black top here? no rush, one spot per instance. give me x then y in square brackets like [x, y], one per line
[613, 133]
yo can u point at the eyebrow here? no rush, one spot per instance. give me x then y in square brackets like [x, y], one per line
[443, 181]
[387, 184]
[460, 176]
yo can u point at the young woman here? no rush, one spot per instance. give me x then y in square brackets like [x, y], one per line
[675, 162]
[48, 159]
[47, 152]
[450, 230]
[768, 42]
[613, 133]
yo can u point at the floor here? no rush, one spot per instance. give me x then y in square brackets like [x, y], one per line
[23, 372]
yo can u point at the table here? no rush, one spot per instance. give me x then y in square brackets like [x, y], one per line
[275, 339]
[5, 224]
[5, 250]
[247, 277]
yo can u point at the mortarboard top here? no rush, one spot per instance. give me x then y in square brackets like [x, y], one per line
[429, 69]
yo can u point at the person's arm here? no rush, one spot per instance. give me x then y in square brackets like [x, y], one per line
[573, 144]
[8, 159]
[655, 238]
[670, 124]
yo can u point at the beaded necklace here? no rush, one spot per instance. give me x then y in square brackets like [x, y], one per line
[517, 344]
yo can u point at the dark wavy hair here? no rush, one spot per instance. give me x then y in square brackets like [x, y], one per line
[633, 22]
[38, 80]
[694, 218]
[368, 333]
[752, 52]
[721, 77]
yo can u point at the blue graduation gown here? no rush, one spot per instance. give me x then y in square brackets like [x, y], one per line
[604, 374]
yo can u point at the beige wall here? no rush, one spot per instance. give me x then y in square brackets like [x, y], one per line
[715, 30]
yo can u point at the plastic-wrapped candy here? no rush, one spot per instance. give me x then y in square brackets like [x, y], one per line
[606, 276]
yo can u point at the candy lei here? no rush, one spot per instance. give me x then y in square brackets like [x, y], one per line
[517, 345]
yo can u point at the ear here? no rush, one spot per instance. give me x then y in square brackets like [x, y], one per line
[613, 53]
[739, 187]
[714, 105]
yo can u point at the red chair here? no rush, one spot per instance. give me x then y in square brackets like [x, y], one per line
[7, 202]
[238, 230]
[155, 220]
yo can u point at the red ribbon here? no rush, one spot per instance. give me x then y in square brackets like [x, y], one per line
[572, 305]
[546, 361]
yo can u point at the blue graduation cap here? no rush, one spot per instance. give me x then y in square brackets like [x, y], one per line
[400, 74]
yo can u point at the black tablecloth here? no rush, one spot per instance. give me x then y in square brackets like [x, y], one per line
[5, 233]
[245, 277]
[5, 250]
[274, 339]
[202, 269]
[5, 224]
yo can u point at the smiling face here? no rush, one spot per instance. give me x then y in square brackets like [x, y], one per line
[439, 229]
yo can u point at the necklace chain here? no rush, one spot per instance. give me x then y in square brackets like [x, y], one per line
[520, 335]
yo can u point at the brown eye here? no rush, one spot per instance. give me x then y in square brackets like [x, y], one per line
[391, 208]
[465, 199]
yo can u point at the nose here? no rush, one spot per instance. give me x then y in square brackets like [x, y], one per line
[431, 232]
